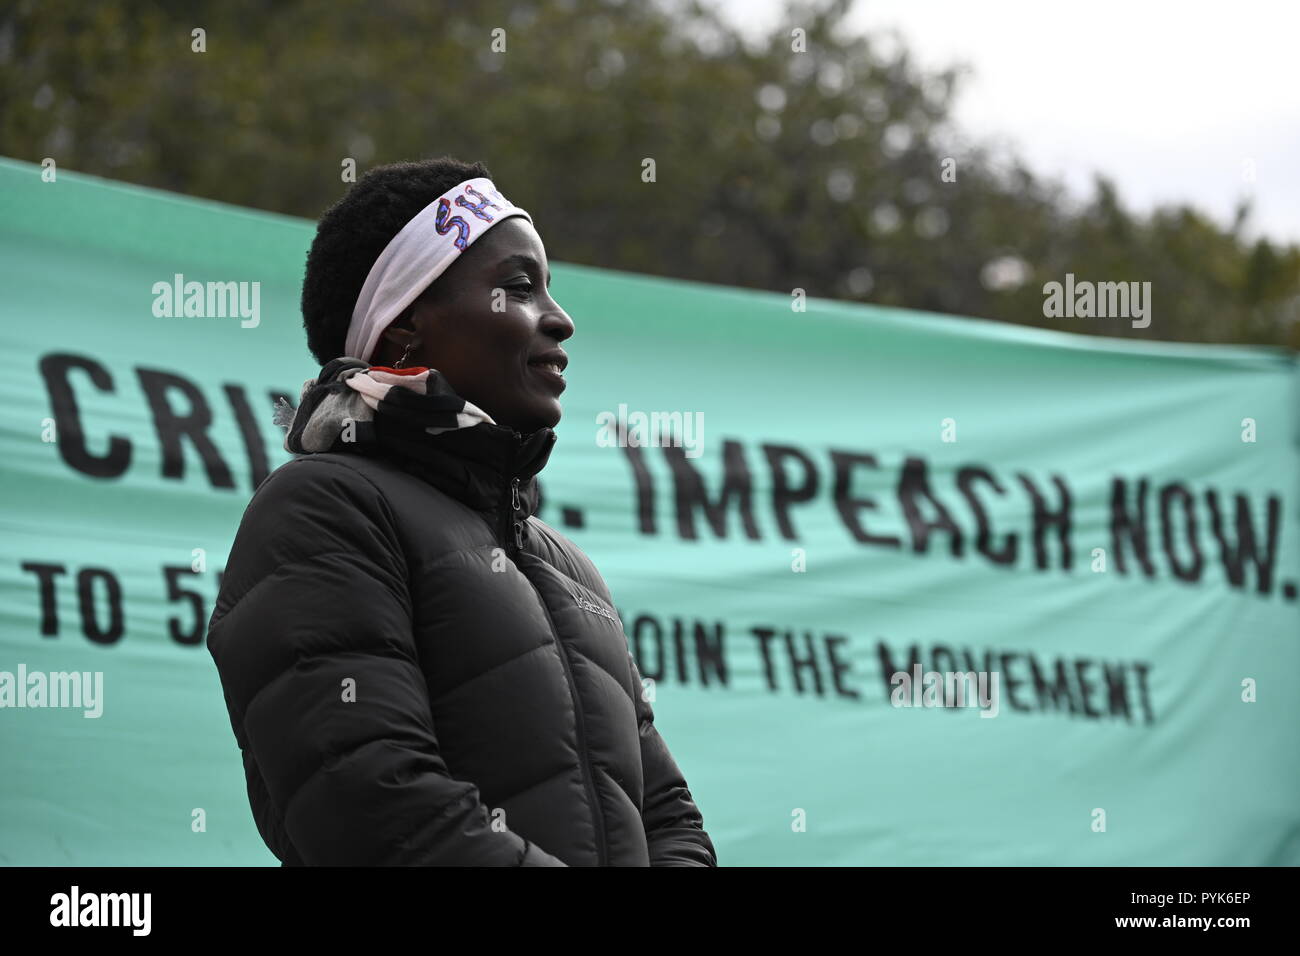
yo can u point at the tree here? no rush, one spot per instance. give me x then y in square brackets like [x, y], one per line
[813, 159]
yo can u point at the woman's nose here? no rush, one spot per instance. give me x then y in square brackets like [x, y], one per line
[556, 322]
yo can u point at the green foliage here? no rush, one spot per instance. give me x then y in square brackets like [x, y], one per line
[775, 169]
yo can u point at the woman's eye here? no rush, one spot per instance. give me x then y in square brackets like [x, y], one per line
[525, 288]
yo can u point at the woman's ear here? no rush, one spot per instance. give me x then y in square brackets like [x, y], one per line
[393, 341]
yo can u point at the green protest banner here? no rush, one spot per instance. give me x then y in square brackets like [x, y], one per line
[815, 518]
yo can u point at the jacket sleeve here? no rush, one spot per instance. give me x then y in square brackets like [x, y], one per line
[674, 826]
[312, 638]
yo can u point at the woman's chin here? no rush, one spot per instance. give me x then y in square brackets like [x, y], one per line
[550, 420]
[547, 413]
[543, 415]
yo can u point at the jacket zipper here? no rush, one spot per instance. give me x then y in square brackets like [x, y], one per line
[514, 509]
[598, 814]
[510, 519]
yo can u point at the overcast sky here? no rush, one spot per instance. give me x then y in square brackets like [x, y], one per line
[1174, 99]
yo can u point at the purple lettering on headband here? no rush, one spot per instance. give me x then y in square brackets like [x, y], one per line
[444, 225]
[477, 210]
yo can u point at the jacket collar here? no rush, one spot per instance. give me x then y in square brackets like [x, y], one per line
[473, 460]
[475, 465]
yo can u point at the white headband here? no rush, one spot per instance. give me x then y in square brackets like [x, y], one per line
[421, 252]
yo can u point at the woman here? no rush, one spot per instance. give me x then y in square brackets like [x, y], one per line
[418, 671]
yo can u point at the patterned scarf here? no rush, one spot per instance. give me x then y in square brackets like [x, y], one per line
[340, 405]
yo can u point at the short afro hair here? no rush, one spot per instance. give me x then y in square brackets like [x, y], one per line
[354, 231]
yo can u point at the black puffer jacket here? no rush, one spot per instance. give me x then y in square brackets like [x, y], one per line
[411, 682]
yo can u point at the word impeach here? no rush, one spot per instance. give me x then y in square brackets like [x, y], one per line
[915, 505]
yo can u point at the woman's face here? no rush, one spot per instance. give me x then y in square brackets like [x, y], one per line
[489, 324]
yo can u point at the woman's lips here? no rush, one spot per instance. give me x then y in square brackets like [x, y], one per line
[551, 373]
